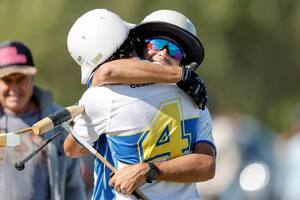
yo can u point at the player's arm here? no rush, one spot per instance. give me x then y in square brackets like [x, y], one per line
[196, 167]
[136, 71]
[132, 71]
[97, 109]
[73, 149]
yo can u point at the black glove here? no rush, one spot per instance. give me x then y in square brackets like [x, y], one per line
[193, 85]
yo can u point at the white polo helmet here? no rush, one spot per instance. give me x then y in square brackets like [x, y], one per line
[172, 24]
[172, 17]
[94, 37]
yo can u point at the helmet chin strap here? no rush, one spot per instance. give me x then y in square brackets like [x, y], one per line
[90, 79]
[86, 73]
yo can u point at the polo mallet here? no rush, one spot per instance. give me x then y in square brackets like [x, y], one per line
[65, 115]
[43, 126]
[13, 139]
[20, 165]
[136, 193]
[56, 119]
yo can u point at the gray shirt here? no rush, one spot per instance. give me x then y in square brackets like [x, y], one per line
[32, 183]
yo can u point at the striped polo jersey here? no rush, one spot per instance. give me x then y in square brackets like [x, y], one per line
[145, 123]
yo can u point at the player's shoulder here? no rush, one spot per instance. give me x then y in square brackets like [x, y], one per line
[205, 111]
[96, 94]
[205, 115]
[97, 101]
[95, 91]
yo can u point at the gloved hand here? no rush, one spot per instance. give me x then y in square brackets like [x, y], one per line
[193, 85]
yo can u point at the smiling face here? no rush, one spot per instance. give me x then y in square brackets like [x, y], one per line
[163, 51]
[160, 57]
[15, 92]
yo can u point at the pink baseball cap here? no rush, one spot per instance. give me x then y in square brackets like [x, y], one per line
[15, 58]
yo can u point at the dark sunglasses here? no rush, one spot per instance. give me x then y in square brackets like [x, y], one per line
[158, 44]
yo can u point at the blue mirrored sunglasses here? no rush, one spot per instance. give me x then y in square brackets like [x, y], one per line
[158, 44]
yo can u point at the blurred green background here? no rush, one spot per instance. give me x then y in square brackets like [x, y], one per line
[252, 48]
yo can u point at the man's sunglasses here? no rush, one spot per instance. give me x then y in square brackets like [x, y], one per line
[158, 44]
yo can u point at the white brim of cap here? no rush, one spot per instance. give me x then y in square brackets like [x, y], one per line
[17, 69]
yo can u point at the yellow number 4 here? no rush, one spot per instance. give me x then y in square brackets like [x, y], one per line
[165, 138]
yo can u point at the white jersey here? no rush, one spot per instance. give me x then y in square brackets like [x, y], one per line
[148, 123]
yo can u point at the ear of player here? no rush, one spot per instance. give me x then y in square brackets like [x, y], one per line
[42, 126]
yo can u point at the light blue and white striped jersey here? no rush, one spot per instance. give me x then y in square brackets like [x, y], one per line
[144, 123]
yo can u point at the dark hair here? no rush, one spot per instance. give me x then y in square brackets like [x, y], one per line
[126, 50]
[139, 43]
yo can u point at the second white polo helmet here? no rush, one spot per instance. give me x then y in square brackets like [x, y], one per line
[172, 24]
[172, 17]
[94, 37]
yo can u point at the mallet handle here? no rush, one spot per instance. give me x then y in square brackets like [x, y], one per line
[136, 193]
[56, 119]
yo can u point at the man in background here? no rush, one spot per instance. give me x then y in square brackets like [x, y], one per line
[50, 174]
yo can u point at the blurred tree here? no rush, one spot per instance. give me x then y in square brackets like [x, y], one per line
[252, 47]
